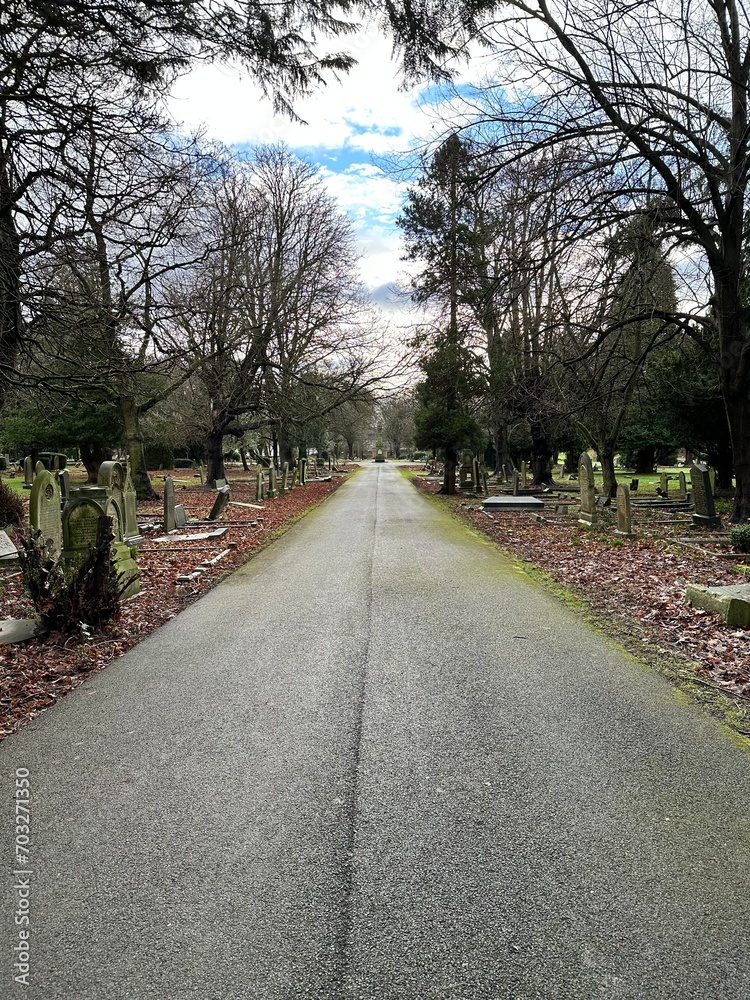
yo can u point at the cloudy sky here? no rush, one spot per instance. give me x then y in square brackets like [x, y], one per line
[351, 127]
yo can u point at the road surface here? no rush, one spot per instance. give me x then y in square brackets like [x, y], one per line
[377, 764]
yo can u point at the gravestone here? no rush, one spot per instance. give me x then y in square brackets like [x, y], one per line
[222, 499]
[260, 486]
[284, 478]
[132, 532]
[8, 551]
[114, 511]
[712, 479]
[80, 523]
[303, 471]
[524, 475]
[295, 475]
[516, 481]
[202, 470]
[39, 467]
[111, 478]
[588, 493]
[477, 474]
[272, 492]
[704, 515]
[664, 484]
[624, 512]
[681, 485]
[28, 473]
[180, 517]
[45, 510]
[533, 504]
[63, 478]
[168, 522]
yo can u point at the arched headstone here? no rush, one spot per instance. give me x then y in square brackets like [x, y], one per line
[44, 509]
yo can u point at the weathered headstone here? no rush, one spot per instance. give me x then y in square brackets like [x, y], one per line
[115, 513]
[39, 467]
[222, 499]
[28, 473]
[624, 512]
[132, 532]
[272, 491]
[681, 485]
[704, 514]
[80, 522]
[202, 470]
[260, 486]
[180, 516]
[63, 478]
[168, 522]
[295, 477]
[524, 475]
[588, 493]
[45, 509]
[664, 484]
[284, 478]
[477, 475]
[111, 477]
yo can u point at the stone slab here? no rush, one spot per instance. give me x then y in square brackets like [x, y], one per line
[512, 503]
[732, 603]
[17, 630]
[8, 551]
[199, 537]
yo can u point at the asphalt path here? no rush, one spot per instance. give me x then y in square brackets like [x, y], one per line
[377, 763]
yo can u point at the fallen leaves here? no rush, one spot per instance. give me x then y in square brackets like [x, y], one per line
[35, 674]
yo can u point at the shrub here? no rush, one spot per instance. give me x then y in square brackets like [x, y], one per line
[11, 507]
[3, 463]
[158, 455]
[739, 536]
[182, 463]
[72, 599]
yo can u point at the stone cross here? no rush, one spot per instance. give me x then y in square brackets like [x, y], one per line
[704, 515]
[44, 509]
[588, 493]
[624, 512]
[168, 523]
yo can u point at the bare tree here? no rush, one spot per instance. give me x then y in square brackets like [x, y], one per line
[658, 96]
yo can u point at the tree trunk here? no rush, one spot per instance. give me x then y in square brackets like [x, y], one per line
[449, 472]
[243, 458]
[134, 448]
[215, 457]
[502, 452]
[10, 278]
[738, 415]
[350, 448]
[541, 457]
[720, 458]
[609, 480]
[92, 456]
[645, 459]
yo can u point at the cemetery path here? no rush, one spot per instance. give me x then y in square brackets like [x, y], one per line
[377, 764]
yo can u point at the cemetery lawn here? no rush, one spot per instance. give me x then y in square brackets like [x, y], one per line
[634, 590]
[36, 674]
